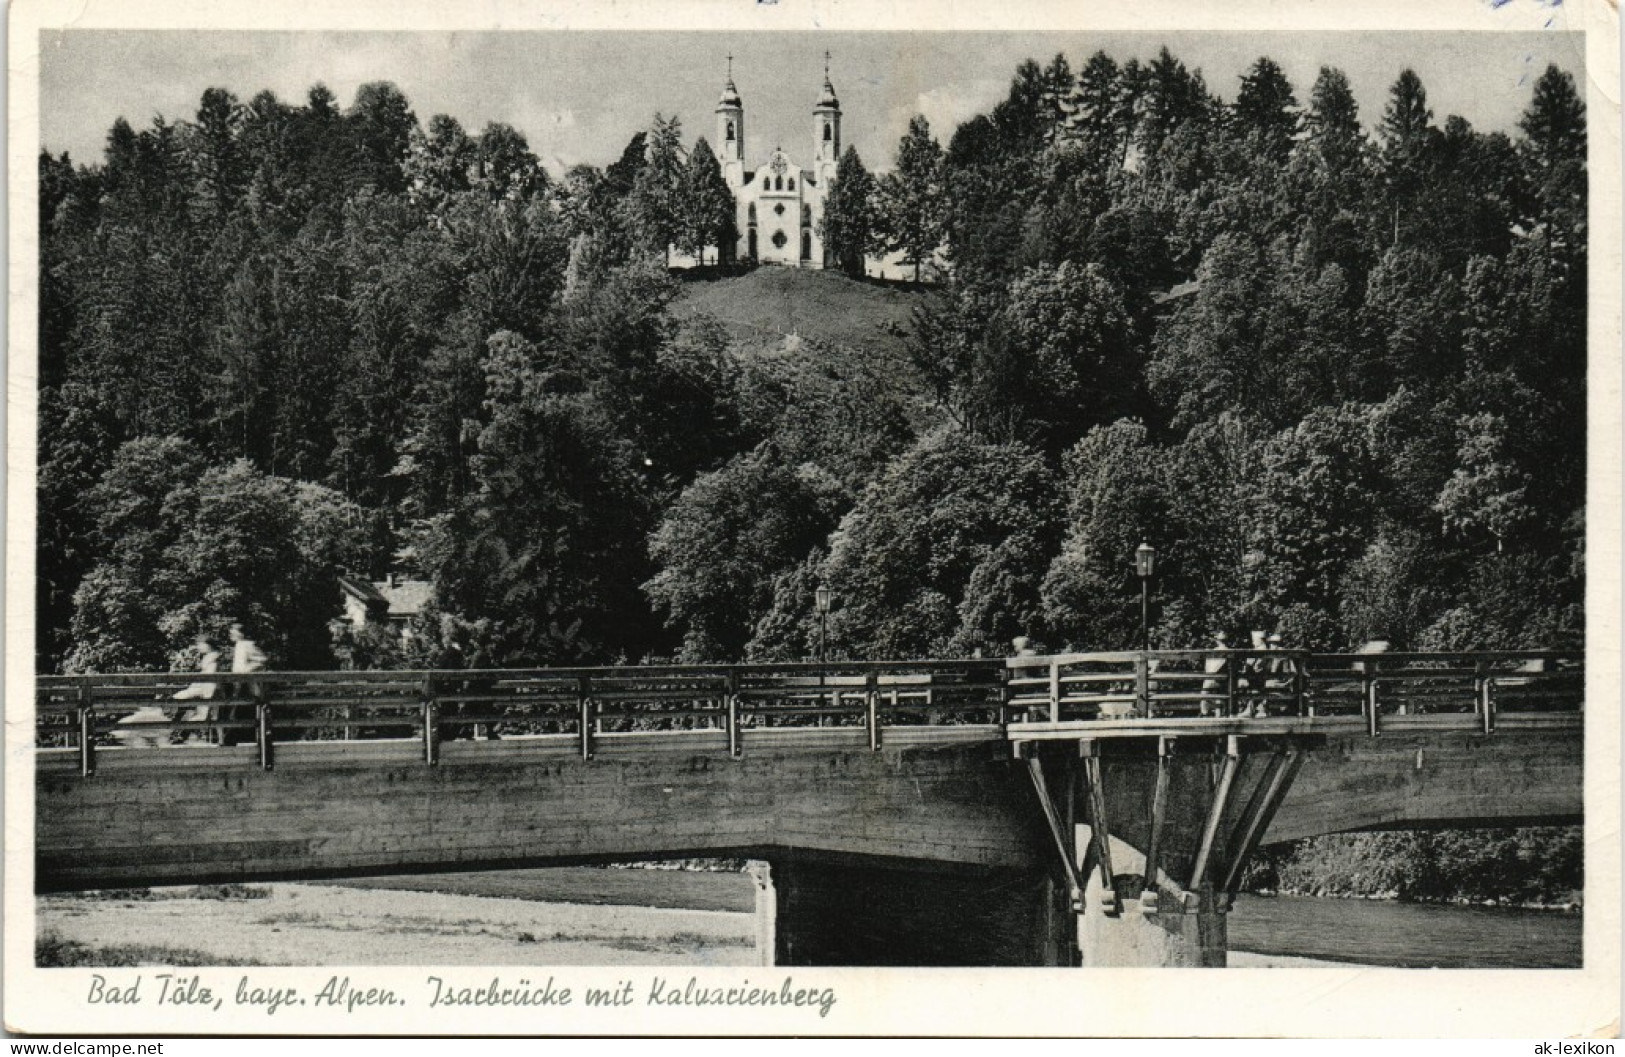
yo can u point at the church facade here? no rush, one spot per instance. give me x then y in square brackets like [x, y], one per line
[780, 203]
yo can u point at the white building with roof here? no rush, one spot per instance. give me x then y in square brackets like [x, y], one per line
[780, 202]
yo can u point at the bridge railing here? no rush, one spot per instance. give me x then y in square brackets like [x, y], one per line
[1232, 684]
[88, 712]
[82, 713]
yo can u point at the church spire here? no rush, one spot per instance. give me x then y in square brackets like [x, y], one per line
[730, 94]
[730, 145]
[827, 101]
[826, 128]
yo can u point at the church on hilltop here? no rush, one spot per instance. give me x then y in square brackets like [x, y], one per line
[780, 203]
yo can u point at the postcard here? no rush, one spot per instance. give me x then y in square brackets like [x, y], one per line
[806, 518]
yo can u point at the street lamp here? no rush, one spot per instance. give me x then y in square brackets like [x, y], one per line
[822, 596]
[1145, 566]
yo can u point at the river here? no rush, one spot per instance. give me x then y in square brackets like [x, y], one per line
[1409, 935]
[1348, 930]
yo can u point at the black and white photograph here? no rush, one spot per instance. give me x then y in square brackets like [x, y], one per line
[601, 522]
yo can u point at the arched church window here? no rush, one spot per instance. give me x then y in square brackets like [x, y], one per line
[827, 131]
[806, 245]
[778, 183]
[751, 214]
[792, 184]
[806, 215]
[731, 132]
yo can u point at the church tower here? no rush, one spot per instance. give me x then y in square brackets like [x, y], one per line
[731, 132]
[826, 131]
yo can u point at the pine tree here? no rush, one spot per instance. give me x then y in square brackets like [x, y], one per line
[1266, 108]
[912, 196]
[654, 208]
[217, 157]
[1334, 120]
[1095, 110]
[1057, 96]
[1555, 121]
[1172, 96]
[708, 206]
[381, 123]
[1554, 150]
[1406, 133]
[849, 219]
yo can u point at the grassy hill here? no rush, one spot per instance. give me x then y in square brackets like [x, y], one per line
[764, 306]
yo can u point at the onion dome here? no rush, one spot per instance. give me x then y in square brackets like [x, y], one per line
[827, 101]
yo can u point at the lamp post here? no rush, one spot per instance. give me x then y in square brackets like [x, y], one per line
[1145, 566]
[822, 596]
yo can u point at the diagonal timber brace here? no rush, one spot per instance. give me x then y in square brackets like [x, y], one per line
[1159, 823]
[1215, 814]
[1100, 834]
[1064, 843]
[1255, 820]
[1179, 815]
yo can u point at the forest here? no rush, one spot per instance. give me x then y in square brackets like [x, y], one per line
[1335, 375]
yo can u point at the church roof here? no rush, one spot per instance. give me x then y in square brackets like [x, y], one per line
[730, 95]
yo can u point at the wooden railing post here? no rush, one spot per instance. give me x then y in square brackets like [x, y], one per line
[733, 712]
[871, 707]
[1232, 680]
[1142, 684]
[1370, 704]
[1300, 685]
[1486, 697]
[87, 730]
[1005, 694]
[263, 733]
[584, 700]
[1054, 691]
[431, 722]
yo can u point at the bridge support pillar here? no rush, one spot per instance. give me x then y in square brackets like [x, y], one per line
[1159, 930]
[1153, 833]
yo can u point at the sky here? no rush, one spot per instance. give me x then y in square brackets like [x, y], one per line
[578, 96]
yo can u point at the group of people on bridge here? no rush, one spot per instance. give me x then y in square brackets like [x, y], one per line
[144, 728]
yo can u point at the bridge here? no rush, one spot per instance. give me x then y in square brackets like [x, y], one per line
[1091, 808]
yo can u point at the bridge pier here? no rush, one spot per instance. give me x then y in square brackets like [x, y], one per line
[1152, 834]
[1162, 936]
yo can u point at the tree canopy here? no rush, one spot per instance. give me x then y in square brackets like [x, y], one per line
[1337, 377]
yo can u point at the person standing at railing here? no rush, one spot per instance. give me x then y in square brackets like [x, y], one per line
[1022, 646]
[246, 656]
[1253, 669]
[1218, 668]
[1377, 644]
[1281, 669]
[208, 664]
